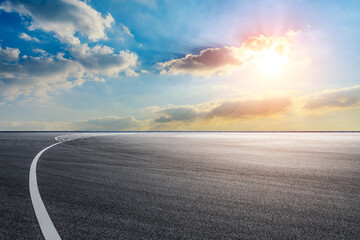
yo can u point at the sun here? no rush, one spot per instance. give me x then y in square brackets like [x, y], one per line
[270, 62]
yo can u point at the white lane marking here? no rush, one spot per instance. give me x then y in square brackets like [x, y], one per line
[46, 225]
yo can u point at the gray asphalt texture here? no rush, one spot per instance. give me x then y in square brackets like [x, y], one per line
[17, 150]
[186, 186]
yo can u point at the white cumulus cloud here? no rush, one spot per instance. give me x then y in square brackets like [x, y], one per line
[212, 61]
[9, 54]
[26, 37]
[102, 60]
[65, 18]
[43, 74]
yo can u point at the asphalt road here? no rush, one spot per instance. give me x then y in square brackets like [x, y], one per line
[17, 150]
[185, 186]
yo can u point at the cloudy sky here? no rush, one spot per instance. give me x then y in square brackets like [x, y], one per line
[179, 65]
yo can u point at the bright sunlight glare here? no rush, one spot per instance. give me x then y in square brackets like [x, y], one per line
[270, 62]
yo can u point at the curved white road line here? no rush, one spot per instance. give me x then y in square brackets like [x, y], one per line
[46, 225]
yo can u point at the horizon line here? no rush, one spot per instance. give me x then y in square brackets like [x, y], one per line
[34, 131]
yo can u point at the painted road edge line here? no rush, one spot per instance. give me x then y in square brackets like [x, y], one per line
[46, 225]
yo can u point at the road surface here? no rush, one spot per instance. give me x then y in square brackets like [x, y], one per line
[184, 186]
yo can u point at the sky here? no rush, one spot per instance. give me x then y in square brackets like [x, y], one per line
[192, 65]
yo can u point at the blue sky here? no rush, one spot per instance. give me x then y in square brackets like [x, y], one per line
[179, 65]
